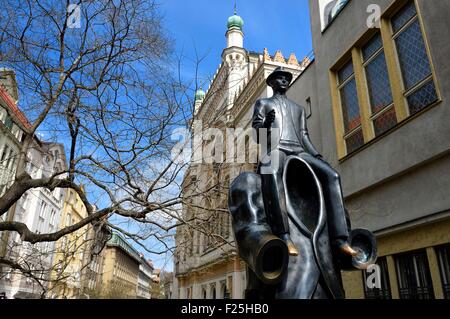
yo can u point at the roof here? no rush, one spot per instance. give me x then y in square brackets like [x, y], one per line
[145, 262]
[304, 71]
[235, 21]
[4, 95]
[254, 53]
[117, 241]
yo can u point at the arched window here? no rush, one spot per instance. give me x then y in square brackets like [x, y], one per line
[213, 292]
[224, 292]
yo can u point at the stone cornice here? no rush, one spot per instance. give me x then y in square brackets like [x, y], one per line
[196, 270]
[214, 93]
[229, 50]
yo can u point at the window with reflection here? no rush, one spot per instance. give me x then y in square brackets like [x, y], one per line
[383, 114]
[350, 108]
[413, 58]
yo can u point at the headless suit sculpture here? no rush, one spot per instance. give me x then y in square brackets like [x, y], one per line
[289, 219]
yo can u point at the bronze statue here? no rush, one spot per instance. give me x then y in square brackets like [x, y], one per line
[278, 112]
[289, 218]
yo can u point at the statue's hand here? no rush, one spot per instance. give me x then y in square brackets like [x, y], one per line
[270, 118]
[345, 248]
[348, 250]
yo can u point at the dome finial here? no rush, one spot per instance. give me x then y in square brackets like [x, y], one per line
[199, 95]
[235, 21]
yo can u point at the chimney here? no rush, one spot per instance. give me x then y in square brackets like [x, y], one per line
[267, 55]
[8, 80]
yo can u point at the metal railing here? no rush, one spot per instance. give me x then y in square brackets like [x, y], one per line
[446, 291]
[378, 294]
[417, 293]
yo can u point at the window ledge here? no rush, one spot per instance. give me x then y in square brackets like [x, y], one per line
[383, 135]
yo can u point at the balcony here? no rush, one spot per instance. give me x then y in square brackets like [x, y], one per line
[208, 257]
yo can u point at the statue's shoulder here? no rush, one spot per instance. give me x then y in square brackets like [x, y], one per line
[263, 102]
[301, 107]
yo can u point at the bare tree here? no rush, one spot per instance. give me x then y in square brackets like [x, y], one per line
[106, 86]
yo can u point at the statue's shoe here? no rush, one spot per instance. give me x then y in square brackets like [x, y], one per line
[292, 249]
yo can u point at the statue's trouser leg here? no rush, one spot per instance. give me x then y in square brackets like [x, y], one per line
[334, 200]
[273, 195]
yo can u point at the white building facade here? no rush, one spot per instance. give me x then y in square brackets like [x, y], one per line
[12, 129]
[40, 209]
[144, 279]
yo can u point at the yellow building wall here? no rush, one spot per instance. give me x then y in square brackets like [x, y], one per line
[72, 248]
[419, 237]
[120, 274]
[353, 284]
[108, 266]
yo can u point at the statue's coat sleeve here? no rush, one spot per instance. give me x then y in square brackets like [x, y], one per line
[306, 142]
[258, 119]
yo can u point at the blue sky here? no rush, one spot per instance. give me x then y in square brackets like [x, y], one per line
[200, 25]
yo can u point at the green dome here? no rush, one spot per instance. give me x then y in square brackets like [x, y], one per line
[235, 21]
[199, 95]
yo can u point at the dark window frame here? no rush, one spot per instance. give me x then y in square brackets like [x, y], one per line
[377, 113]
[443, 259]
[414, 275]
[349, 132]
[379, 293]
[409, 92]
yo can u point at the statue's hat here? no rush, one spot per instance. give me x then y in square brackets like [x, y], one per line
[279, 70]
